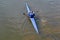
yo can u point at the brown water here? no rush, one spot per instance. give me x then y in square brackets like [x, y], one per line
[15, 26]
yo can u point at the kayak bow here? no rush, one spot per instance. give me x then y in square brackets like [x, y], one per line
[32, 19]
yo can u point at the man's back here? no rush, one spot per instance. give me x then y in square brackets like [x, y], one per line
[31, 15]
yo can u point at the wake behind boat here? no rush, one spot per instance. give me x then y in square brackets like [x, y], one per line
[31, 16]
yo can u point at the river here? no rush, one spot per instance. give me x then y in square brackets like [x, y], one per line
[15, 26]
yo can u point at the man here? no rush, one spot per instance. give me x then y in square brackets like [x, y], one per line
[31, 14]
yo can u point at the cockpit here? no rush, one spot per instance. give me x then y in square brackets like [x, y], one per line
[31, 14]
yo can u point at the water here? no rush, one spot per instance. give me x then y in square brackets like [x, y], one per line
[15, 26]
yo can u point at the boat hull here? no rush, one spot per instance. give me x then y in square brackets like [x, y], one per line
[34, 24]
[32, 19]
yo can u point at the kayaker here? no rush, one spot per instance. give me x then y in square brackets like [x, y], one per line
[31, 14]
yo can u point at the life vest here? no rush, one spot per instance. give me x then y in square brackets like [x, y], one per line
[31, 15]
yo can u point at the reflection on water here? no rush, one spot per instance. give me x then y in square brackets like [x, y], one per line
[15, 26]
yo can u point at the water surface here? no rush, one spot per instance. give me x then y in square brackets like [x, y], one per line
[15, 26]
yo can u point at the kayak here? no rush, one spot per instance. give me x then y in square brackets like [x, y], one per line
[32, 19]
